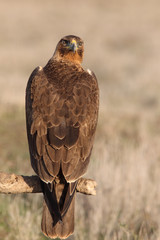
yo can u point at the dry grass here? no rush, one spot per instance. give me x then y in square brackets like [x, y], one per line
[124, 39]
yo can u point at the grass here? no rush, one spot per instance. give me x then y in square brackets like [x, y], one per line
[124, 39]
[125, 165]
[13, 144]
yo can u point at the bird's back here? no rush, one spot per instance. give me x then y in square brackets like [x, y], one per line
[61, 115]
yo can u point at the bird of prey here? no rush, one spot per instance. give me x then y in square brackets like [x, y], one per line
[62, 101]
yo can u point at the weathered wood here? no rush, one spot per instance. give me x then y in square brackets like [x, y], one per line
[12, 183]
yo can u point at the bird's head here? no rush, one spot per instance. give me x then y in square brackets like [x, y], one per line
[70, 48]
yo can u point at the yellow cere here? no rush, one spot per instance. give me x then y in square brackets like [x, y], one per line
[74, 42]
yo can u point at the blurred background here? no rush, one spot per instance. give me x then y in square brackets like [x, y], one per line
[122, 47]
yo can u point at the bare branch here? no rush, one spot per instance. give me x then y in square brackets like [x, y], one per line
[12, 183]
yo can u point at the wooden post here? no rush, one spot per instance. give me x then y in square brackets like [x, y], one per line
[13, 184]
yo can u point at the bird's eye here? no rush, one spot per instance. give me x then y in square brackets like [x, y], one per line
[64, 42]
[80, 44]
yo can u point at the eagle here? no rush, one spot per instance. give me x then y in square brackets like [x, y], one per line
[62, 101]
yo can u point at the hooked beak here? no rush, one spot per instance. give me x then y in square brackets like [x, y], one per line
[73, 46]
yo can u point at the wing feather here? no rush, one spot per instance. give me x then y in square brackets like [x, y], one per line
[60, 131]
[61, 119]
[54, 141]
[48, 156]
[72, 135]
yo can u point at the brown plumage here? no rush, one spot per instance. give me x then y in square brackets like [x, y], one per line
[61, 115]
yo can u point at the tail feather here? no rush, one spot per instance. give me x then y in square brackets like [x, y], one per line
[62, 229]
[58, 210]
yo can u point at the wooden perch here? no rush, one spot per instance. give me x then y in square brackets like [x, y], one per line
[12, 183]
